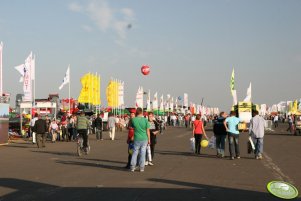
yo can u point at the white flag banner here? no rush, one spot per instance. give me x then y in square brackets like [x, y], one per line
[30, 64]
[168, 101]
[155, 101]
[249, 94]
[1, 66]
[121, 94]
[27, 89]
[139, 97]
[161, 103]
[198, 109]
[234, 95]
[171, 105]
[33, 68]
[66, 79]
[176, 104]
[263, 109]
[185, 100]
[148, 102]
[21, 70]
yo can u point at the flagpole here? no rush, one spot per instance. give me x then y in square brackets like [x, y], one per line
[69, 90]
[99, 95]
[34, 82]
[1, 88]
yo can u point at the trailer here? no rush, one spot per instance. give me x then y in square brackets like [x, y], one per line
[244, 111]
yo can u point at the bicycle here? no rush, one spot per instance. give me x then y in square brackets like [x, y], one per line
[80, 146]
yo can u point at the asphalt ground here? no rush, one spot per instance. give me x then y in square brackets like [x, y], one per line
[57, 173]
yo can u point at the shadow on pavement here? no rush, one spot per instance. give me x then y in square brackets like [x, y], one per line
[56, 153]
[23, 190]
[95, 165]
[20, 146]
[175, 153]
[102, 160]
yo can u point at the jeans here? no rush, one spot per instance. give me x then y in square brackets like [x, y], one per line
[276, 124]
[233, 143]
[220, 144]
[198, 138]
[84, 134]
[71, 133]
[64, 133]
[258, 142]
[98, 133]
[139, 148]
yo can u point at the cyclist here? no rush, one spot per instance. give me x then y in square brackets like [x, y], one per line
[82, 126]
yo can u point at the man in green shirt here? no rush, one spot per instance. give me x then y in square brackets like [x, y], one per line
[141, 139]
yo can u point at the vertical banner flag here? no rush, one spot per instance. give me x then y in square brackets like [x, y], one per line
[139, 97]
[29, 62]
[121, 94]
[232, 81]
[98, 91]
[66, 79]
[1, 66]
[232, 88]
[161, 103]
[148, 102]
[155, 101]
[109, 94]
[112, 93]
[84, 93]
[249, 94]
[21, 70]
[27, 85]
[186, 100]
[171, 104]
[168, 101]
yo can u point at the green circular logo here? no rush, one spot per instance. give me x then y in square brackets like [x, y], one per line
[282, 190]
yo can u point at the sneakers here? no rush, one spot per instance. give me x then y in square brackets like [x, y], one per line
[232, 158]
[220, 156]
[150, 163]
[133, 170]
[146, 163]
[259, 157]
[238, 157]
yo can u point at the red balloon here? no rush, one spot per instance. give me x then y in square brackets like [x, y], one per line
[145, 70]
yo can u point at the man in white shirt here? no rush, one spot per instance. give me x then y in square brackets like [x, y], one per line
[111, 126]
[256, 131]
[276, 119]
[32, 122]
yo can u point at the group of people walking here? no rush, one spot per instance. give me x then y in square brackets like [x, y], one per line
[228, 126]
[67, 129]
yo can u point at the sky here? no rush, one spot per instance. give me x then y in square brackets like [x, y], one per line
[190, 45]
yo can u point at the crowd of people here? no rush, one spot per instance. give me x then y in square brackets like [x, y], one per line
[143, 130]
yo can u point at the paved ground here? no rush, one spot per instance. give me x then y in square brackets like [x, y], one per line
[56, 173]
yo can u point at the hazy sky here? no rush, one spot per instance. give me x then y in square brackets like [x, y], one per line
[191, 46]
